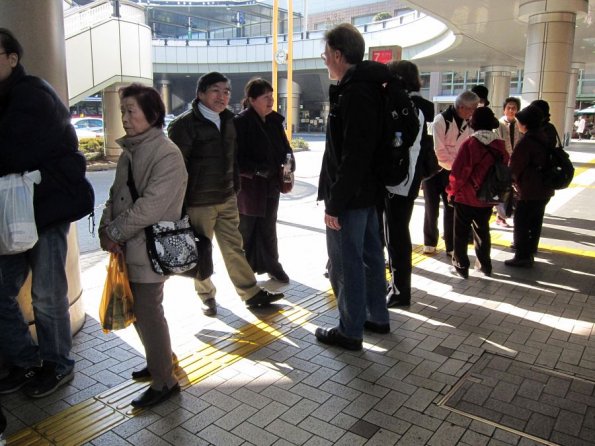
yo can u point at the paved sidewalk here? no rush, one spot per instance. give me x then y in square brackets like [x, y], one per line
[506, 360]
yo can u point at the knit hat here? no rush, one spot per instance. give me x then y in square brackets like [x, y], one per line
[483, 119]
[543, 106]
[530, 116]
[482, 92]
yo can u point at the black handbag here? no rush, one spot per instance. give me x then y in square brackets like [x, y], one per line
[173, 246]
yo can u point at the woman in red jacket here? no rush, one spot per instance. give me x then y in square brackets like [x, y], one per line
[474, 159]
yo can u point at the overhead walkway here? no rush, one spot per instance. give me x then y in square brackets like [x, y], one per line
[418, 34]
[102, 50]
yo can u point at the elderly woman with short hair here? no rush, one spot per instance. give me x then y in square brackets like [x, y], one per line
[160, 178]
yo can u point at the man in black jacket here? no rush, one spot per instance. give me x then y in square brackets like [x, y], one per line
[206, 136]
[36, 134]
[350, 188]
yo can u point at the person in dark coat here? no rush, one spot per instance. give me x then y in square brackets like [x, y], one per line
[350, 189]
[399, 199]
[36, 134]
[547, 127]
[526, 163]
[262, 149]
[472, 163]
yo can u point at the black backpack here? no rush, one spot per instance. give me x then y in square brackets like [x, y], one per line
[558, 170]
[496, 186]
[400, 130]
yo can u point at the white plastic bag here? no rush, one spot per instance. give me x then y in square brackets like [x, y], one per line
[18, 231]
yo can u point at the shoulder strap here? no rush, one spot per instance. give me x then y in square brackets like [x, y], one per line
[130, 183]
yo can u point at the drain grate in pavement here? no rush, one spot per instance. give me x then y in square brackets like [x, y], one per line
[546, 406]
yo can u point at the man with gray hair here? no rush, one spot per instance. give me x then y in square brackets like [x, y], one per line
[350, 189]
[450, 128]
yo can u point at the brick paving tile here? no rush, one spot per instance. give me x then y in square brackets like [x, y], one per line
[321, 428]
[569, 423]
[420, 400]
[351, 439]
[235, 417]
[268, 414]
[361, 405]
[340, 390]
[384, 438]
[370, 388]
[474, 438]
[109, 439]
[146, 438]
[299, 411]
[391, 402]
[203, 419]
[219, 437]
[288, 431]
[343, 420]
[446, 435]
[254, 434]
[418, 419]
[180, 436]
[133, 425]
[387, 422]
[540, 425]
[282, 396]
[536, 406]
[506, 436]
[416, 436]
[319, 377]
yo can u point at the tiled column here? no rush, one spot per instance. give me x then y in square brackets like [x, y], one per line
[112, 121]
[39, 27]
[571, 102]
[548, 55]
[497, 81]
[165, 94]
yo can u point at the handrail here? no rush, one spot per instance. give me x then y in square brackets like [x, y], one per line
[393, 22]
[79, 18]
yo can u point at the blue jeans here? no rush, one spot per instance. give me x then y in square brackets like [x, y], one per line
[49, 295]
[357, 272]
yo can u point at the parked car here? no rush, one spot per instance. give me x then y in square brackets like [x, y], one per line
[88, 127]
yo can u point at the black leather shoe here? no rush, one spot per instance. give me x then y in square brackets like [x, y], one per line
[397, 300]
[279, 276]
[519, 263]
[209, 307]
[461, 272]
[144, 373]
[486, 270]
[263, 298]
[377, 328]
[332, 336]
[151, 397]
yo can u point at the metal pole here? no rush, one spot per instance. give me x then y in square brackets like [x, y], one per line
[275, 41]
[289, 110]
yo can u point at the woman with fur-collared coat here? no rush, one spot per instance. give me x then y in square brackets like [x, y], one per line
[262, 149]
[160, 179]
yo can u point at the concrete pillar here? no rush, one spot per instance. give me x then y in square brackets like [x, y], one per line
[165, 94]
[435, 87]
[39, 26]
[548, 54]
[282, 105]
[571, 101]
[112, 121]
[497, 81]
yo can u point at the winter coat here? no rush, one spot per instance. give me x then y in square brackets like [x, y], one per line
[35, 133]
[528, 158]
[448, 137]
[262, 147]
[503, 132]
[471, 166]
[419, 153]
[209, 154]
[348, 177]
[160, 179]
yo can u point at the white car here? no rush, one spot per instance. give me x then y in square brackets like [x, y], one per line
[88, 127]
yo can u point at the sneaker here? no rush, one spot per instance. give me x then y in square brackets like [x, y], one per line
[429, 250]
[397, 300]
[263, 298]
[17, 377]
[449, 253]
[209, 307]
[461, 272]
[47, 382]
[502, 222]
[332, 336]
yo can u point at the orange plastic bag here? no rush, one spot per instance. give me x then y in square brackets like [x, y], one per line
[116, 307]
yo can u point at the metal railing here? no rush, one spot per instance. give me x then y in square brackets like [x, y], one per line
[77, 19]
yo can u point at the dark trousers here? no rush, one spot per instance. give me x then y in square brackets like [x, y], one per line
[528, 220]
[435, 189]
[260, 239]
[477, 220]
[397, 215]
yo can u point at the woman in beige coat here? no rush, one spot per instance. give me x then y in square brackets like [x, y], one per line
[160, 178]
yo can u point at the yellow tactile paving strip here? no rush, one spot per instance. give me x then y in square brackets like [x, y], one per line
[91, 418]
